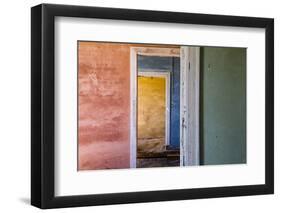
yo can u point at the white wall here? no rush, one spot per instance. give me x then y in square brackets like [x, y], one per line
[15, 105]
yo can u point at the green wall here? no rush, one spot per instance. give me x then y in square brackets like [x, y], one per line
[223, 105]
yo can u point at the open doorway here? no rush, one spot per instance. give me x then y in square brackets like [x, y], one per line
[180, 129]
[158, 82]
[154, 121]
[177, 83]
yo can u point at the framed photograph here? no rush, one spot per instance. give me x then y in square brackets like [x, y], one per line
[139, 106]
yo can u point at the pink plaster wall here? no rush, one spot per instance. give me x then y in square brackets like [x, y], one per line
[104, 106]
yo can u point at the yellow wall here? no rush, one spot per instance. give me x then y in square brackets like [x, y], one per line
[151, 113]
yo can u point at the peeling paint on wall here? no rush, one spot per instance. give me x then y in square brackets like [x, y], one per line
[151, 114]
[171, 65]
[104, 105]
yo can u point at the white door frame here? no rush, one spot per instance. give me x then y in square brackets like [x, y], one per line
[149, 51]
[166, 75]
[189, 100]
[189, 106]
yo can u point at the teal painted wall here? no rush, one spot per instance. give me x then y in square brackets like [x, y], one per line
[223, 105]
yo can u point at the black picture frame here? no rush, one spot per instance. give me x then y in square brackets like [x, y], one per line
[43, 102]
